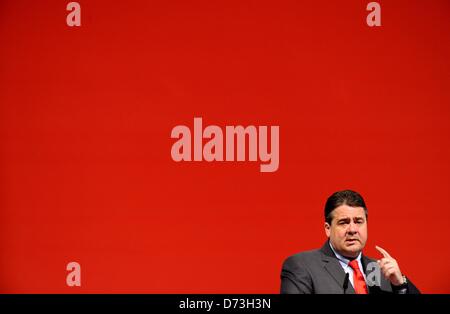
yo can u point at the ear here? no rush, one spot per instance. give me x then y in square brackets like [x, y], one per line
[327, 229]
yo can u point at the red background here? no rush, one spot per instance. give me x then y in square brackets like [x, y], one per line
[86, 173]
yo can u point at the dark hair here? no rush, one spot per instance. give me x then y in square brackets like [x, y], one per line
[345, 197]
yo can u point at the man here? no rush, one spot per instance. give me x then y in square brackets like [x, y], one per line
[339, 266]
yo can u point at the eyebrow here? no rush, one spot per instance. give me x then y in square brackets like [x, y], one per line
[348, 218]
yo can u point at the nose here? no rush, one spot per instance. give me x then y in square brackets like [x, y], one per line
[352, 228]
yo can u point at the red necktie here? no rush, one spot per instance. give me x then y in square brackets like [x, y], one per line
[358, 279]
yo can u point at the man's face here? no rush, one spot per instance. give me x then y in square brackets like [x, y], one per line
[348, 230]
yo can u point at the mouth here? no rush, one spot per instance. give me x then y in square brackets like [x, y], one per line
[351, 241]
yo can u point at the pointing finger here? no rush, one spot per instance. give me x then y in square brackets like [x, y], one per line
[383, 251]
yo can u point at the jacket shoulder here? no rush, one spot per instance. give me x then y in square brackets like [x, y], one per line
[301, 259]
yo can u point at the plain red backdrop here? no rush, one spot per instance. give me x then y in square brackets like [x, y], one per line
[86, 173]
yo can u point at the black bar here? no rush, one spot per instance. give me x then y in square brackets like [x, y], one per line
[222, 303]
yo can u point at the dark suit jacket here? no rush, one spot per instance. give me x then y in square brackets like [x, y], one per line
[319, 271]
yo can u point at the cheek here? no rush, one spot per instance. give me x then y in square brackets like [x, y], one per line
[339, 233]
[363, 232]
[363, 229]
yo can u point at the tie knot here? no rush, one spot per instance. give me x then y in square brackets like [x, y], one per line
[354, 264]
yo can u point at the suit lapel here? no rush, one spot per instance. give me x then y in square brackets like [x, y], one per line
[332, 266]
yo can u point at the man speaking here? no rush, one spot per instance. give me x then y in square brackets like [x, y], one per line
[339, 266]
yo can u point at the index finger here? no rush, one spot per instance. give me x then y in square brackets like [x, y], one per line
[382, 251]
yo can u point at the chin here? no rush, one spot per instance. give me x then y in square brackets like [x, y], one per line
[354, 249]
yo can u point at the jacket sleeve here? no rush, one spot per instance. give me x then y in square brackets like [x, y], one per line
[412, 289]
[295, 278]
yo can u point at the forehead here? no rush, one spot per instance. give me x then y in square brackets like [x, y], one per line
[348, 211]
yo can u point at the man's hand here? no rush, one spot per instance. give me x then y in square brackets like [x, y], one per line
[390, 268]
